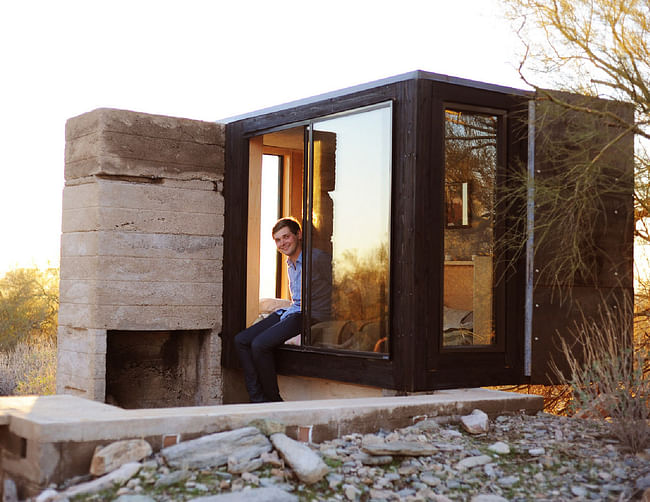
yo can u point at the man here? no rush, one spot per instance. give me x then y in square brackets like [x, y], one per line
[255, 345]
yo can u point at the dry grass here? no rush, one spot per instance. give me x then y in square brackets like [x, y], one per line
[557, 398]
[29, 368]
[607, 376]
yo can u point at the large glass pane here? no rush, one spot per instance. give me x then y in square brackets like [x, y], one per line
[470, 171]
[351, 231]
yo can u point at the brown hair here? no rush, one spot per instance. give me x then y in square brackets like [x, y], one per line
[290, 222]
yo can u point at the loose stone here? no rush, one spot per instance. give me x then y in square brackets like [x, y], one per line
[117, 477]
[578, 491]
[508, 480]
[407, 470]
[116, 454]
[377, 446]
[475, 423]
[172, 478]
[238, 467]
[375, 459]
[351, 492]
[251, 478]
[428, 425]
[213, 450]
[469, 462]
[429, 479]
[500, 448]
[307, 465]
[267, 426]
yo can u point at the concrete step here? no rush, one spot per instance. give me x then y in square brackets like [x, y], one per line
[52, 438]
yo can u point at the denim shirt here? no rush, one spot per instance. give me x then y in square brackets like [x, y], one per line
[321, 286]
[295, 286]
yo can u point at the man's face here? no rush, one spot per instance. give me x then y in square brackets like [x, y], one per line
[287, 242]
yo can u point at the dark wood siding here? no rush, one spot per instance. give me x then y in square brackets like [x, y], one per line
[566, 138]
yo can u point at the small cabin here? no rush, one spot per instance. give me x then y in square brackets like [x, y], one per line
[402, 182]
[419, 189]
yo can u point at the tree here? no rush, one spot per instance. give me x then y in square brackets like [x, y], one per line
[596, 48]
[29, 303]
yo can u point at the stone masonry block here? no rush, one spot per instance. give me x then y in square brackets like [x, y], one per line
[145, 124]
[79, 244]
[82, 364]
[154, 317]
[214, 371]
[124, 143]
[89, 388]
[134, 155]
[78, 315]
[134, 220]
[121, 194]
[140, 317]
[81, 196]
[126, 268]
[81, 340]
[113, 293]
[142, 245]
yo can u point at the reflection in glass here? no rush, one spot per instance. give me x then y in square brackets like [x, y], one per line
[351, 227]
[470, 170]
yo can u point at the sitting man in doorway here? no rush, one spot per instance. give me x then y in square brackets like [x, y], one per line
[255, 345]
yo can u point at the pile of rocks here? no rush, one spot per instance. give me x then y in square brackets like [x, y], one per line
[515, 457]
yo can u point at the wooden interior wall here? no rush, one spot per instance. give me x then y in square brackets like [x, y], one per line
[254, 212]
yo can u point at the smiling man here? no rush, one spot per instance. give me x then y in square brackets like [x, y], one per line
[255, 345]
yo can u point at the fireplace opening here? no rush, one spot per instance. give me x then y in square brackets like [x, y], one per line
[156, 369]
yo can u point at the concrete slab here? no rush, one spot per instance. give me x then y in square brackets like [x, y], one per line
[70, 418]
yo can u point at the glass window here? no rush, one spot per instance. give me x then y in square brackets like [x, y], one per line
[350, 231]
[269, 213]
[470, 175]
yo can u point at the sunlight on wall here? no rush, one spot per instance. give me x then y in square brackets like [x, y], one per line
[269, 215]
[641, 261]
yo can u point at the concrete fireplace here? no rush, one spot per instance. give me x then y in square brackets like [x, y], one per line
[141, 260]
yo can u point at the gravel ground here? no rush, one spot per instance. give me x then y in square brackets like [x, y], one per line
[520, 458]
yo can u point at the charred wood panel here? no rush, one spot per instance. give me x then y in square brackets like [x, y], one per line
[584, 263]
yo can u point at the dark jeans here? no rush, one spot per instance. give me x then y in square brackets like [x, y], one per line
[255, 347]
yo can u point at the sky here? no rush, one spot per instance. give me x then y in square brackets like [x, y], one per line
[203, 60]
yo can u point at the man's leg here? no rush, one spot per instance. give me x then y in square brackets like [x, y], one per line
[263, 357]
[243, 342]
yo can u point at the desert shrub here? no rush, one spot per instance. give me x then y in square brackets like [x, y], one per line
[29, 368]
[606, 375]
[557, 398]
[29, 305]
